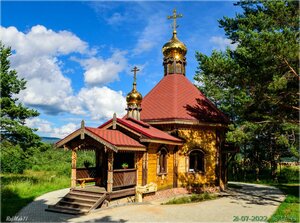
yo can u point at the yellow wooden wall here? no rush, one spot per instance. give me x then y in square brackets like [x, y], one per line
[162, 181]
[139, 166]
[166, 180]
[204, 139]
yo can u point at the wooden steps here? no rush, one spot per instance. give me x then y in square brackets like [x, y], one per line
[79, 201]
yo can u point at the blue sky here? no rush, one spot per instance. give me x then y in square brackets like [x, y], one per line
[77, 56]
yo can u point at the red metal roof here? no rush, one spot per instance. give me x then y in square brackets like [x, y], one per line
[147, 130]
[144, 129]
[114, 137]
[175, 97]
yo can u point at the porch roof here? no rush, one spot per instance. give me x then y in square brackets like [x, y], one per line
[146, 130]
[115, 137]
[112, 138]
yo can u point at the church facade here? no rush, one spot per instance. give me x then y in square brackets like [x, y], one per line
[173, 137]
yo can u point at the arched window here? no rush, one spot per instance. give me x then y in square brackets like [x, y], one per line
[162, 161]
[196, 161]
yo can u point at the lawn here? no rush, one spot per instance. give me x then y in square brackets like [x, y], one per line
[17, 190]
[289, 210]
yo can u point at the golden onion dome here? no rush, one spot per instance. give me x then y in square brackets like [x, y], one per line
[134, 97]
[174, 45]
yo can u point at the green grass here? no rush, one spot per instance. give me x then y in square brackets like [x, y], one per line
[289, 209]
[192, 198]
[17, 190]
[49, 170]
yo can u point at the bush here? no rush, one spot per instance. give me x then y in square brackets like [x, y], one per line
[12, 159]
[43, 158]
[289, 175]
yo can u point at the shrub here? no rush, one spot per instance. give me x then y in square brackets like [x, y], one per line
[12, 159]
[289, 175]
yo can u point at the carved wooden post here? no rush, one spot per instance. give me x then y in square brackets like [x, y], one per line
[136, 166]
[73, 173]
[110, 171]
[145, 169]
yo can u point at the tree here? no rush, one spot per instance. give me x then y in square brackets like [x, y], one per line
[14, 113]
[257, 84]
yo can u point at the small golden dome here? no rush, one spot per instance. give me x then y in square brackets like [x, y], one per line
[134, 97]
[174, 45]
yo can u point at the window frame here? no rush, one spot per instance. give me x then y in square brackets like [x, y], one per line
[165, 160]
[190, 170]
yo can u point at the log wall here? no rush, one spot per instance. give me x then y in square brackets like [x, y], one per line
[163, 181]
[204, 139]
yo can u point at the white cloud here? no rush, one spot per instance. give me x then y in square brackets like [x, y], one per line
[151, 35]
[64, 130]
[36, 59]
[115, 19]
[104, 102]
[42, 125]
[46, 128]
[40, 41]
[222, 43]
[100, 71]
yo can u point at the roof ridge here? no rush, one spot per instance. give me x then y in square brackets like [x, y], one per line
[144, 124]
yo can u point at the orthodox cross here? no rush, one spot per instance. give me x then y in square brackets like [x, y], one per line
[174, 17]
[135, 70]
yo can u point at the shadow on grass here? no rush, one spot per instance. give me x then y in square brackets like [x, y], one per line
[290, 189]
[11, 203]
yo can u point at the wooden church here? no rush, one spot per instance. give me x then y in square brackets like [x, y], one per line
[173, 137]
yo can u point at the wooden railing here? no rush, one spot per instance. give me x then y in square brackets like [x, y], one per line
[82, 173]
[124, 177]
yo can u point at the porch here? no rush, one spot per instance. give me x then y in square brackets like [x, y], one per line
[113, 173]
[121, 178]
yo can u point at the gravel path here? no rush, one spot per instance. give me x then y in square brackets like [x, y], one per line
[252, 202]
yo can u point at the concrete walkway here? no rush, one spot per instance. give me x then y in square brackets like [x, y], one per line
[250, 201]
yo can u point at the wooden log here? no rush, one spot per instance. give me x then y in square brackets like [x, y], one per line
[136, 165]
[73, 172]
[110, 171]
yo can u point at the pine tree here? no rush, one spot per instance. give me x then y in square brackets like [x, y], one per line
[13, 113]
[257, 84]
